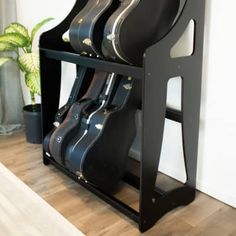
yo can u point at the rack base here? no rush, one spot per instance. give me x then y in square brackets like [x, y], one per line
[167, 199]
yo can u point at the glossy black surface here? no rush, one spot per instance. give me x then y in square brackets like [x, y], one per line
[136, 25]
[91, 157]
[80, 86]
[70, 125]
[86, 30]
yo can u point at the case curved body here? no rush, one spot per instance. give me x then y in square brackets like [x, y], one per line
[86, 30]
[70, 126]
[100, 156]
[136, 25]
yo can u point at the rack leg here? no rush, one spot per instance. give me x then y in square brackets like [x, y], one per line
[154, 110]
[190, 126]
[50, 89]
[191, 95]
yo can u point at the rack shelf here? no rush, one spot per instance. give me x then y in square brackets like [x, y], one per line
[158, 67]
[136, 72]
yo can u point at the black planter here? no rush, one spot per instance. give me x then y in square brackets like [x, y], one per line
[33, 127]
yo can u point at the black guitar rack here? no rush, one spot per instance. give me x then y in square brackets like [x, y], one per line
[158, 68]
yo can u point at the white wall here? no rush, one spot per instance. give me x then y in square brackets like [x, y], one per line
[217, 155]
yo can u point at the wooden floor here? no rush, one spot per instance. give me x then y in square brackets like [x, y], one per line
[205, 216]
[18, 206]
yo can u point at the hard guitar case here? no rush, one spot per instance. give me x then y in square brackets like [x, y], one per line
[100, 157]
[80, 86]
[86, 30]
[70, 126]
[136, 25]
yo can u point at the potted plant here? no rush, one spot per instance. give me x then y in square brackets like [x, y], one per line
[16, 38]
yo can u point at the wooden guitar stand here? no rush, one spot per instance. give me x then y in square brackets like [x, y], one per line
[158, 68]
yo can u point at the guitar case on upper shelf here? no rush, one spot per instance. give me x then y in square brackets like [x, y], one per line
[121, 31]
[86, 29]
[136, 25]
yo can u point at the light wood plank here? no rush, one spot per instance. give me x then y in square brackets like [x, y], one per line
[23, 212]
[222, 222]
[203, 207]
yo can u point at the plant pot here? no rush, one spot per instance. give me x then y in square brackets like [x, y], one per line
[33, 127]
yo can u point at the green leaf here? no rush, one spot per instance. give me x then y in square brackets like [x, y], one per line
[17, 28]
[6, 47]
[29, 62]
[17, 40]
[38, 26]
[32, 81]
[3, 60]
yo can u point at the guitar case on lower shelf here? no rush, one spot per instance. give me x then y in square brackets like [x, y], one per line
[80, 86]
[70, 126]
[100, 157]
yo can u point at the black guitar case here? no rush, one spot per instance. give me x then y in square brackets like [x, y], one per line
[80, 86]
[86, 30]
[136, 25]
[70, 126]
[100, 156]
